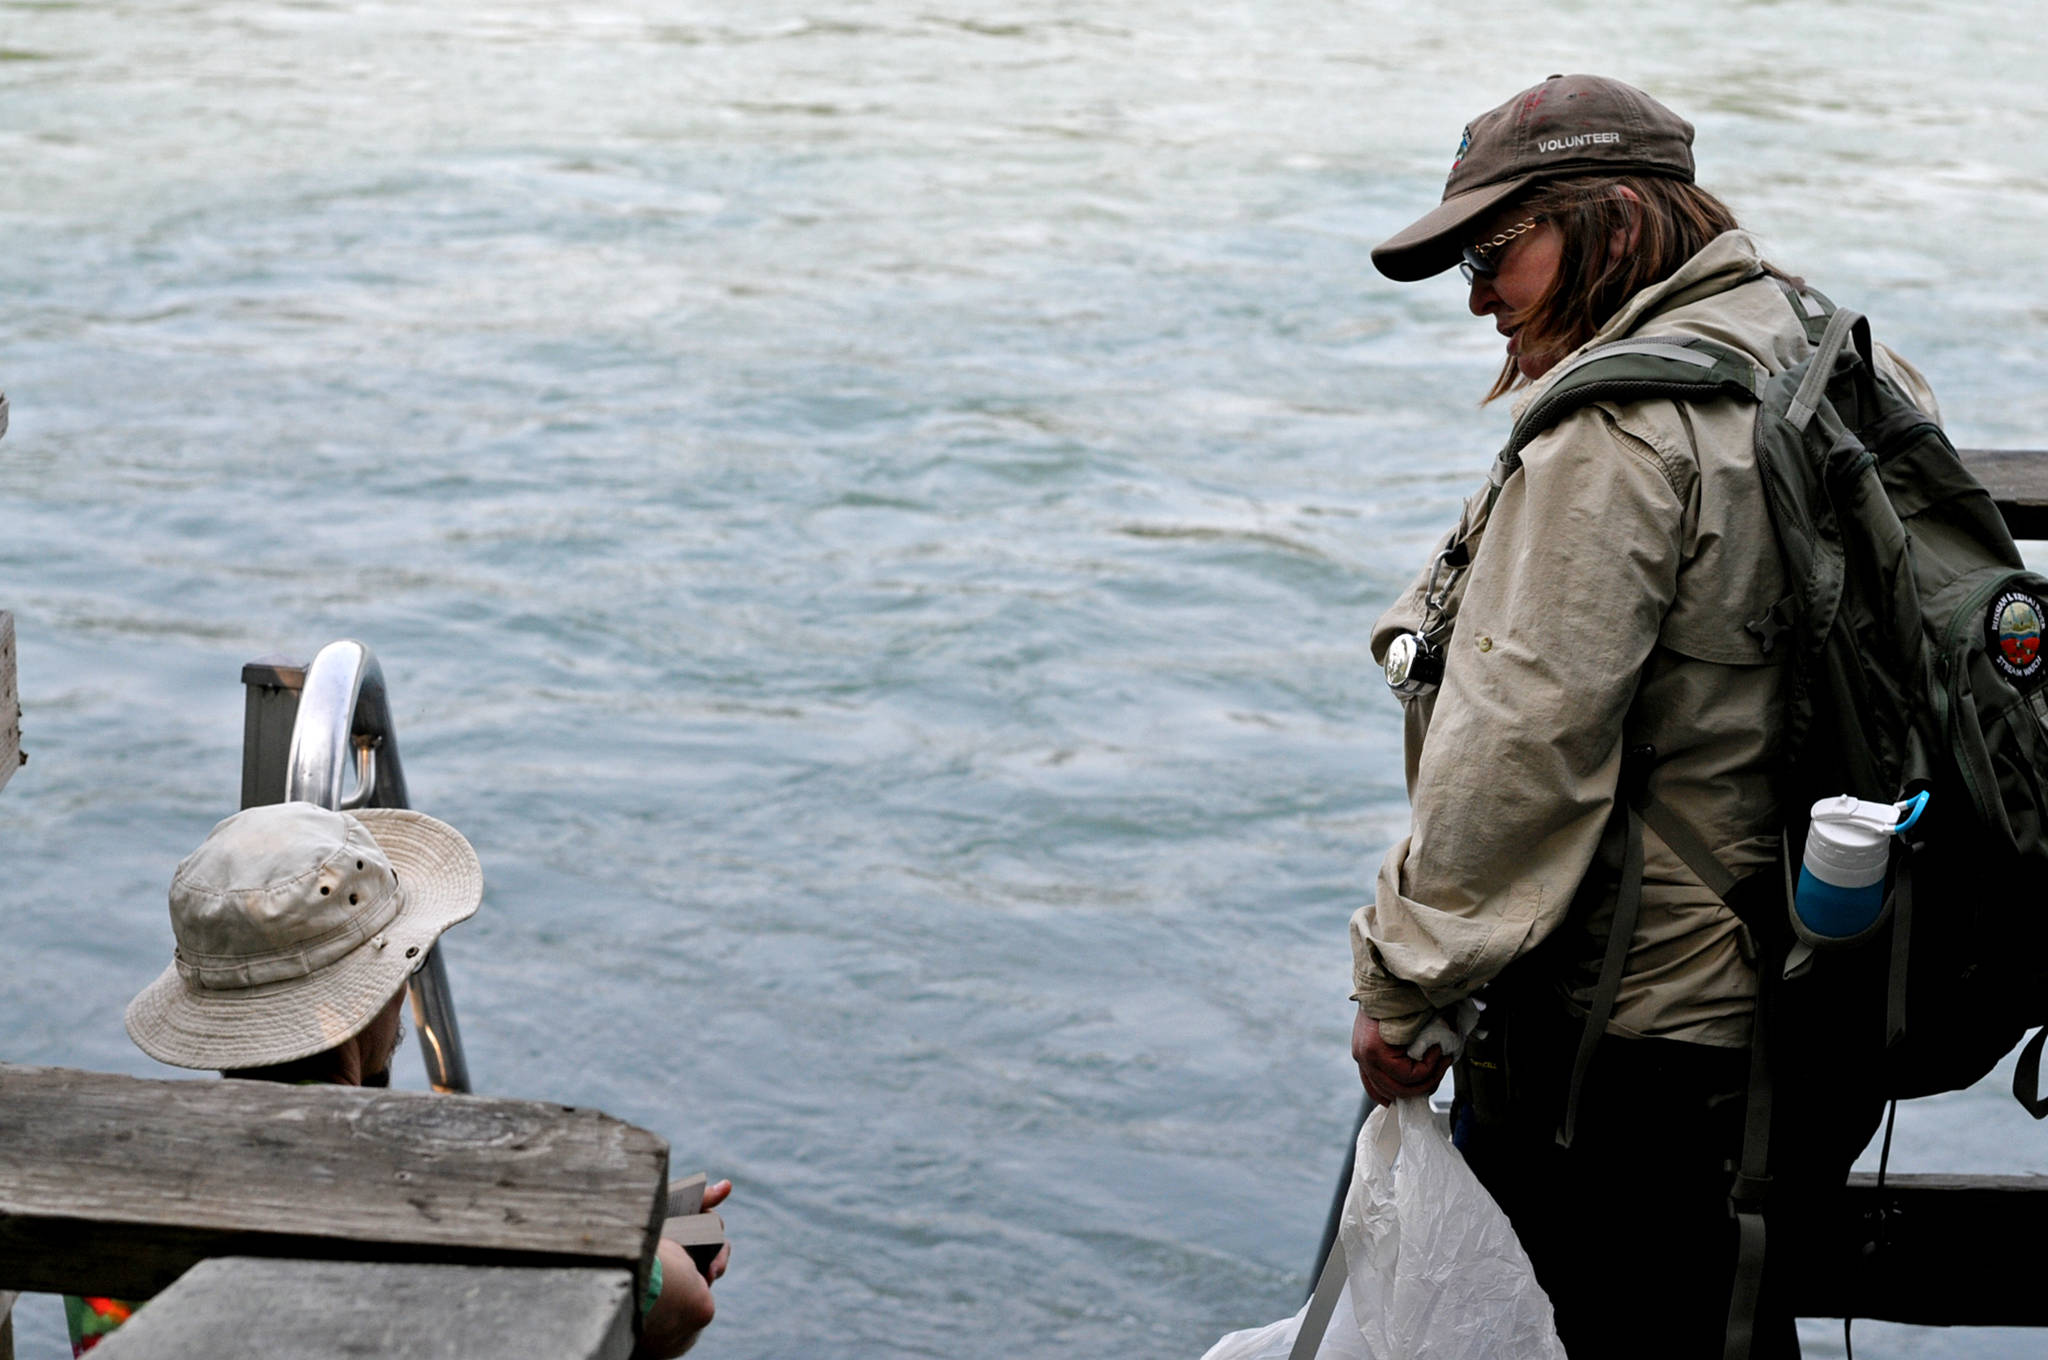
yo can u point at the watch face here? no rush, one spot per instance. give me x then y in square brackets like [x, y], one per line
[1400, 660]
[1414, 666]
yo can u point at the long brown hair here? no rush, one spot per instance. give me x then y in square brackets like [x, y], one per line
[1673, 220]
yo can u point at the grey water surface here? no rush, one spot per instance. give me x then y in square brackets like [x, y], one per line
[871, 513]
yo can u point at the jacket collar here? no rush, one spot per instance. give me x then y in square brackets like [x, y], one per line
[1725, 262]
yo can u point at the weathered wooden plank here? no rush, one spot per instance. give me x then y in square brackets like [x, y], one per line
[116, 1185]
[2018, 480]
[1934, 1250]
[10, 703]
[241, 1308]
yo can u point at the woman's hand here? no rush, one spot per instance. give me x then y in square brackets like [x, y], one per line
[1387, 1073]
[685, 1307]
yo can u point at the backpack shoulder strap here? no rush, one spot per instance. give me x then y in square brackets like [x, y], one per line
[1642, 808]
[1842, 327]
[1683, 368]
[1809, 305]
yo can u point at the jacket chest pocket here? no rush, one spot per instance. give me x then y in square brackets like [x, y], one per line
[1739, 632]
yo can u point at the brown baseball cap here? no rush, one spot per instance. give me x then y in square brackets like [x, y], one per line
[1568, 125]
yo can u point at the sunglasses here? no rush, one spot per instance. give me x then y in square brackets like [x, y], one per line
[1480, 260]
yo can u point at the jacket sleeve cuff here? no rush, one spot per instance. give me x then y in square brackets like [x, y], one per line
[1399, 1006]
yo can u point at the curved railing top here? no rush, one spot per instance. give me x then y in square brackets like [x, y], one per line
[344, 711]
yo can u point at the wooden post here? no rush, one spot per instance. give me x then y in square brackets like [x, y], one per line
[10, 720]
[270, 705]
[116, 1186]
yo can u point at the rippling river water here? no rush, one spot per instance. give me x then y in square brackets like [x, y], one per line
[870, 513]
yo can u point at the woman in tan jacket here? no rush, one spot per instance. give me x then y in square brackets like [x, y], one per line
[1594, 600]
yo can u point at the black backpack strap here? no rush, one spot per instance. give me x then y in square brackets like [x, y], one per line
[1746, 1198]
[1751, 1189]
[1684, 368]
[1684, 842]
[1643, 809]
[1636, 764]
[1902, 945]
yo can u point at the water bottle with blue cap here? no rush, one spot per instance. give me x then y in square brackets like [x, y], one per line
[1841, 893]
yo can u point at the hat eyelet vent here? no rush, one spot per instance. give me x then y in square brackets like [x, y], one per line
[351, 899]
[359, 864]
[412, 951]
[324, 890]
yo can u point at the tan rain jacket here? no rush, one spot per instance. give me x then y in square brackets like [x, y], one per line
[1604, 608]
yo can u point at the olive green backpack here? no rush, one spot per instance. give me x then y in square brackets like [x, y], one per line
[1912, 637]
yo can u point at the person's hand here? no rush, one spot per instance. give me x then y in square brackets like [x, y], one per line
[1387, 1073]
[714, 1195]
[685, 1306]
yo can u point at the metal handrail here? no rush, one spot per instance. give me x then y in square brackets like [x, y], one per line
[344, 717]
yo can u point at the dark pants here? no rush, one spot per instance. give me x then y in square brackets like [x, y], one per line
[1629, 1229]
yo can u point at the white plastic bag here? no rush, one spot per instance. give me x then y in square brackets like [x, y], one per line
[1433, 1271]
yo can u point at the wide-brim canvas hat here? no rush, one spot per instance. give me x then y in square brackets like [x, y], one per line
[295, 926]
[1566, 126]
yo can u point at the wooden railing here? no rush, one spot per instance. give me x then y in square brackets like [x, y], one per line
[1936, 1250]
[2018, 480]
[328, 1221]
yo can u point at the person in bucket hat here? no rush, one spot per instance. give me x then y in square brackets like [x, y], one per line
[297, 928]
[1597, 598]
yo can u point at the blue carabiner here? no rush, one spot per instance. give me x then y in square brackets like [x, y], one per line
[1919, 805]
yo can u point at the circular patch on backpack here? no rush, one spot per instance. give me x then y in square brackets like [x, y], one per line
[2015, 634]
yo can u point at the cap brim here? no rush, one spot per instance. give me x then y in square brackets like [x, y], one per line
[285, 1021]
[1436, 241]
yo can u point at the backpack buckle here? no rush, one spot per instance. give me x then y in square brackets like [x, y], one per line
[1748, 1193]
[1772, 622]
